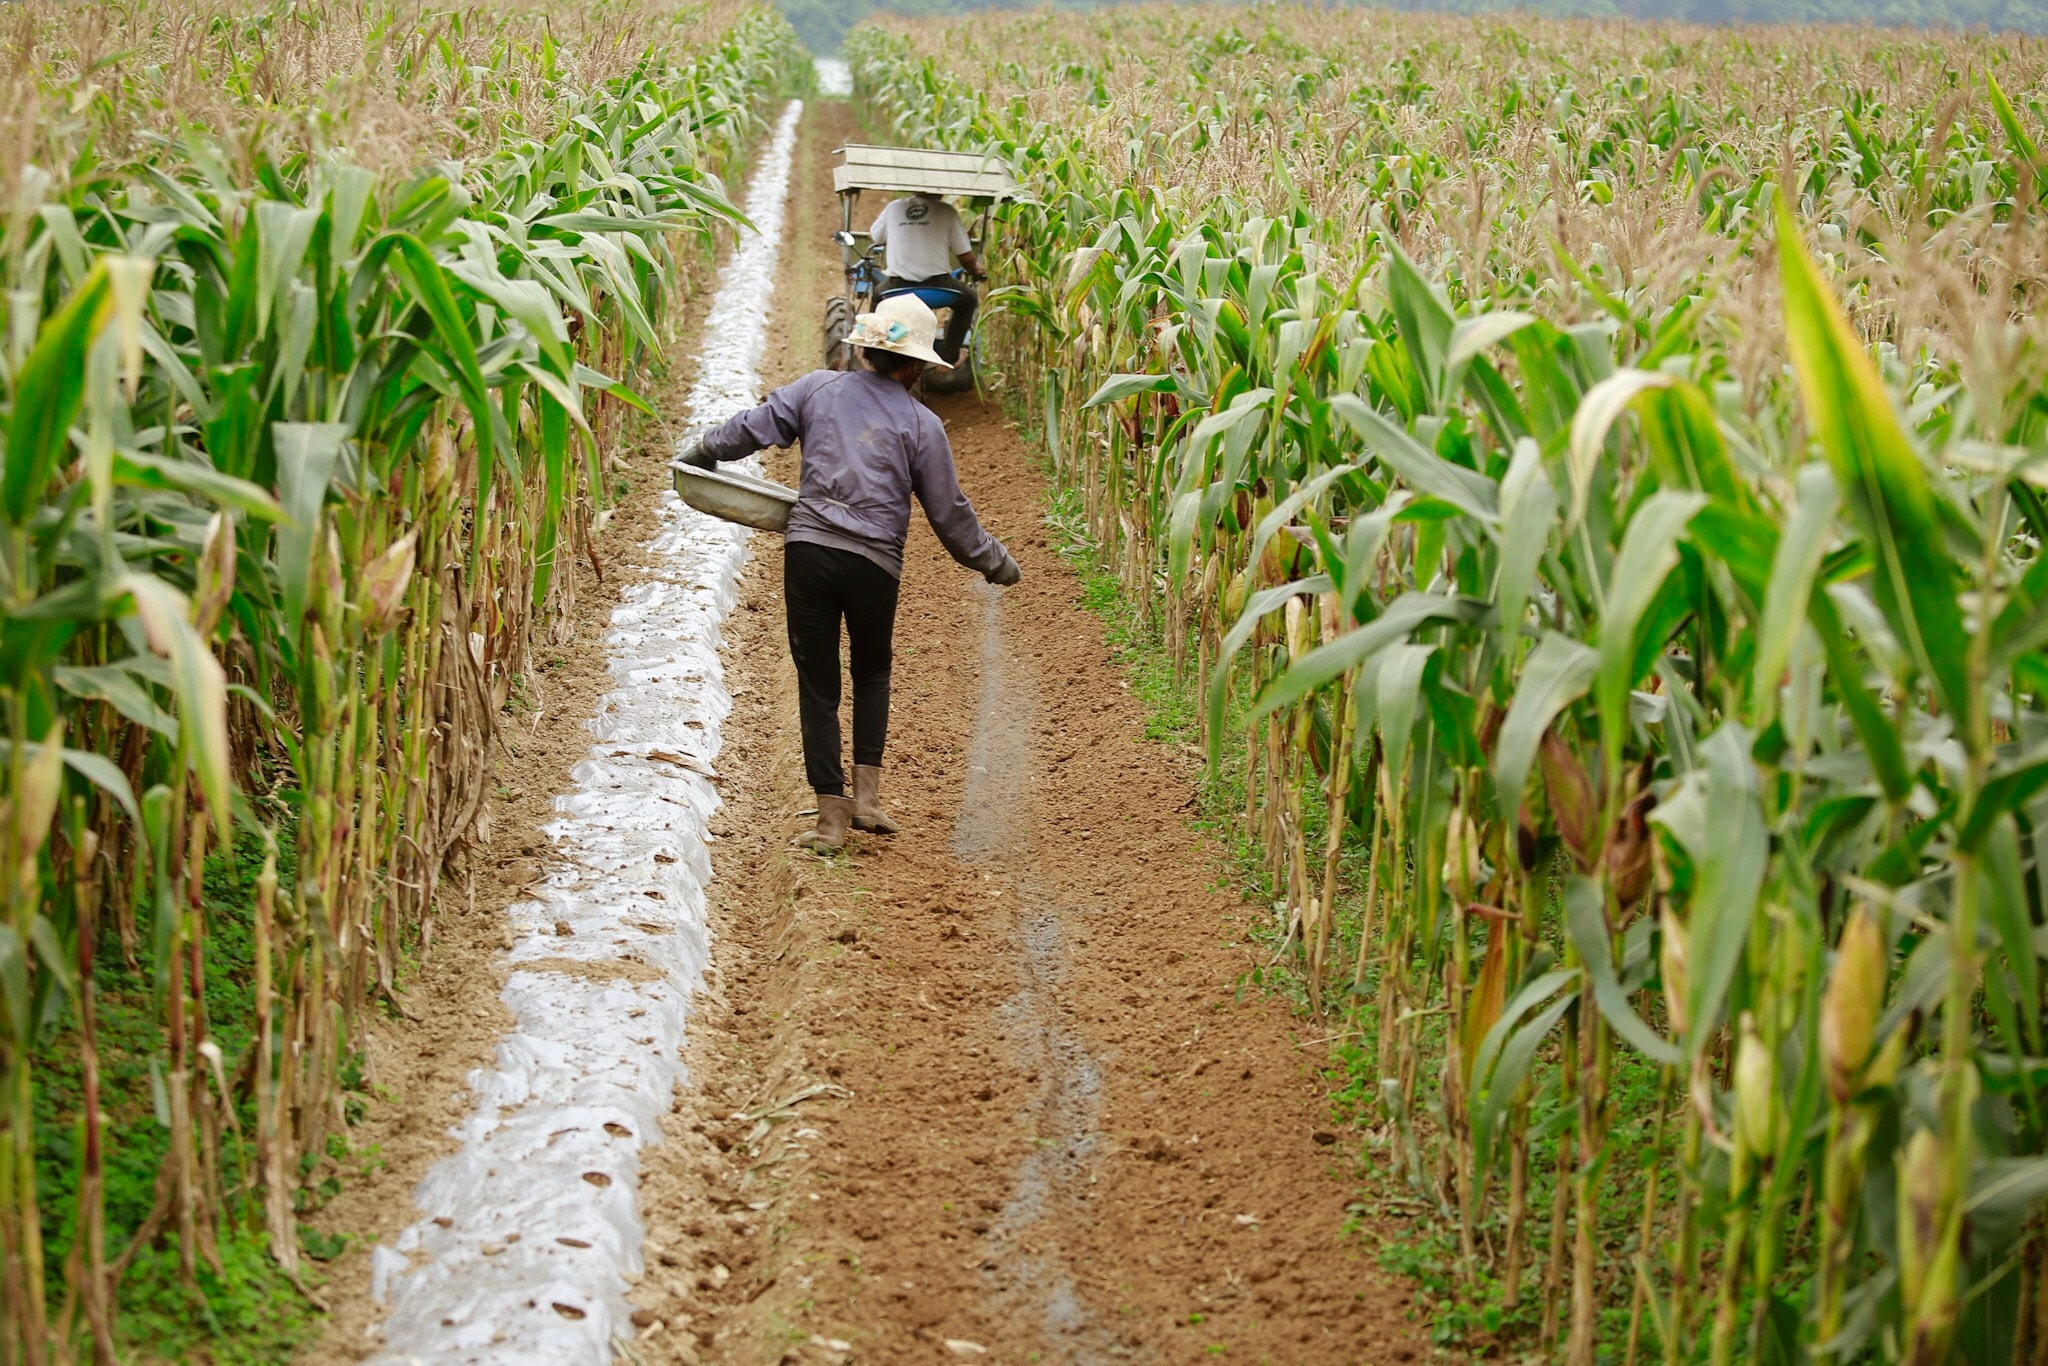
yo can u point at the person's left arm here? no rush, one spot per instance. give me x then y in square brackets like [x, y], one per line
[963, 247]
[936, 483]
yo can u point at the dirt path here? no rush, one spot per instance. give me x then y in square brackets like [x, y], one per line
[984, 1090]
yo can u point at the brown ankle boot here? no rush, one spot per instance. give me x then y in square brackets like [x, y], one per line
[867, 801]
[835, 818]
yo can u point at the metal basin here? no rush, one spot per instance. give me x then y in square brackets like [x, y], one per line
[735, 497]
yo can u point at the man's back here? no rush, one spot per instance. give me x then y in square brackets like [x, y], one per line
[923, 236]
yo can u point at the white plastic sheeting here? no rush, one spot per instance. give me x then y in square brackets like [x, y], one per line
[532, 1230]
[835, 77]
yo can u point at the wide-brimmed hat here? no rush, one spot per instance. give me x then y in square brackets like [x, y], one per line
[902, 323]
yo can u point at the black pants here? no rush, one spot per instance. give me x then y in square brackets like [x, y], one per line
[822, 585]
[962, 317]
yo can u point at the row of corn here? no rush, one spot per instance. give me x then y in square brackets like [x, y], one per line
[1596, 476]
[319, 318]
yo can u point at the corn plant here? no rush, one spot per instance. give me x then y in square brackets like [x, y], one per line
[294, 444]
[1592, 476]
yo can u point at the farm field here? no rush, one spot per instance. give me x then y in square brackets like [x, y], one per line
[1500, 822]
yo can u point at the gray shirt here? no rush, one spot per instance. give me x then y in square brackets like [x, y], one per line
[923, 236]
[868, 445]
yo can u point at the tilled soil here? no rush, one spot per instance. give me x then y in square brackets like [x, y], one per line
[988, 1088]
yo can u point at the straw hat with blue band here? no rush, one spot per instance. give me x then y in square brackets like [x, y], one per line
[902, 323]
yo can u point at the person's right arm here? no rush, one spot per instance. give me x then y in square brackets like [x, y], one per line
[776, 421]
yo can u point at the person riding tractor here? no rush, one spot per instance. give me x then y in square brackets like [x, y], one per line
[923, 240]
[928, 241]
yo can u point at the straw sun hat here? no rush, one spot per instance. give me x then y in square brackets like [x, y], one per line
[902, 323]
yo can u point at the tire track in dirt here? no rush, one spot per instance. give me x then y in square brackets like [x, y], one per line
[1028, 1269]
[984, 1090]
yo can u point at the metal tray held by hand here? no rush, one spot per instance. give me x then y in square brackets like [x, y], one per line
[734, 497]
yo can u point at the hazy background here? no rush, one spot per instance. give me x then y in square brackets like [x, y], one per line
[823, 22]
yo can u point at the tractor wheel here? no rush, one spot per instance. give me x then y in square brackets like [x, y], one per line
[838, 327]
[957, 380]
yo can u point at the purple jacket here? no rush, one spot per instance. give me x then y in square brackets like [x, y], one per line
[867, 447]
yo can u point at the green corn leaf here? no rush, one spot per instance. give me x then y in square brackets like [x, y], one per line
[2022, 624]
[47, 395]
[431, 293]
[1793, 568]
[1515, 1054]
[1528, 512]
[2006, 906]
[1184, 529]
[1686, 447]
[118, 687]
[139, 469]
[283, 232]
[1471, 337]
[50, 952]
[348, 204]
[96, 769]
[306, 457]
[587, 378]
[1326, 663]
[1595, 416]
[1283, 512]
[1845, 671]
[1557, 674]
[1425, 322]
[587, 222]
[199, 684]
[1256, 607]
[554, 431]
[1397, 696]
[2006, 792]
[2022, 144]
[1881, 478]
[1586, 922]
[62, 226]
[528, 303]
[1921, 986]
[1423, 470]
[1649, 552]
[2004, 1193]
[1119, 387]
[1248, 405]
[564, 395]
[298, 325]
[1532, 993]
[1362, 543]
[1728, 875]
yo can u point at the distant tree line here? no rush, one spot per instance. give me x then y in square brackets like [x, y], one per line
[823, 23]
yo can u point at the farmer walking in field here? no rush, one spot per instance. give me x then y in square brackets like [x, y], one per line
[923, 239]
[869, 446]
